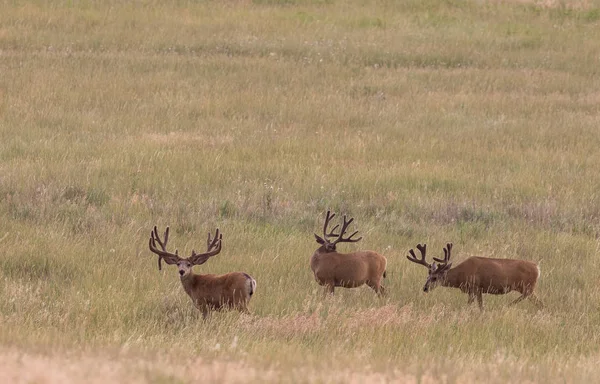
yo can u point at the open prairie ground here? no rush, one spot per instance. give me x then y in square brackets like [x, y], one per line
[429, 121]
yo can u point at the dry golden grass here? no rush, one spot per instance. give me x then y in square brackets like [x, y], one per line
[429, 121]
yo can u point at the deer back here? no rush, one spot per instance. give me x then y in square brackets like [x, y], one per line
[493, 275]
[357, 267]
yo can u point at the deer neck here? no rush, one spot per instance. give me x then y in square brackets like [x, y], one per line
[189, 281]
[322, 250]
[315, 256]
[320, 254]
[452, 279]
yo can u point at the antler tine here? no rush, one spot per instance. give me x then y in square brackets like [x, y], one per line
[414, 259]
[348, 239]
[212, 242]
[155, 236]
[346, 221]
[332, 232]
[449, 247]
[208, 242]
[446, 259]
[328, 218]
[162, 254]
[166, 236]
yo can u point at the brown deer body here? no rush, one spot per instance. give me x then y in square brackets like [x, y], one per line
[347, 270]
[478, 275]
[208, 292]
[214, 292]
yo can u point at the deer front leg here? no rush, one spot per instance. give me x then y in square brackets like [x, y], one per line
[202, 307]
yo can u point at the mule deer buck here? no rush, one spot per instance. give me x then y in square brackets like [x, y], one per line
[478, 275]
[348, 270]
[208, 292]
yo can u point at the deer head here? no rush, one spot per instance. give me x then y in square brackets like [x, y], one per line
[330, 246]
[184, 265]
[437, 272]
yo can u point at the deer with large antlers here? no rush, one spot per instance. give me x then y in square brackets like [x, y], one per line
[478, 275]
[348, 270]
[208, 292]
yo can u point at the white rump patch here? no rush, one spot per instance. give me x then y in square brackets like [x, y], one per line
[251, 286]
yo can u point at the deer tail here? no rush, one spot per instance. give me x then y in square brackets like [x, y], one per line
[251, 284]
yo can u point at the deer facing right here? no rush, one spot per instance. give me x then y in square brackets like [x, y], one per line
[478, 275]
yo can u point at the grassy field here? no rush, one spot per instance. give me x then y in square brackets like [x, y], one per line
[429, 121]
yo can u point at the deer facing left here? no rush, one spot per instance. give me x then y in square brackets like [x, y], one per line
[478, 275]
[208, 292]
[348, 270]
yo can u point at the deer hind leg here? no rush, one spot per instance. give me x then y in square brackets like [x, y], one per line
[480, 300]
[471, 298]
[519, 299]
[239, 301]
[246, 310]
[243, 308]
[377, 287]
[329, 289]
[240, 304]
[205, 313]
[536, 300]
[526, 292]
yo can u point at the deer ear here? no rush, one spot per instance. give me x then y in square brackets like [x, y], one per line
[319, 239]
[169, 259]
[198, 258]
